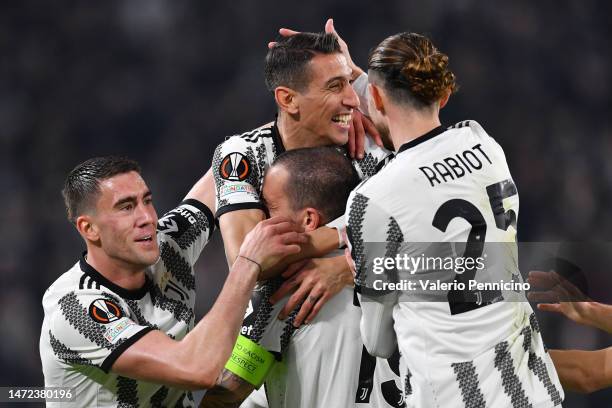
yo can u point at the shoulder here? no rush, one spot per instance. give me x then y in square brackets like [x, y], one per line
[470, 126]
[249, 138]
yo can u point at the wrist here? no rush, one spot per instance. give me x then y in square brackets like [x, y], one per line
[245, 266]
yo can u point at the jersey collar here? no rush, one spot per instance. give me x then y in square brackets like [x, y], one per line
[134, 294]
[278, 142]
[423, 138]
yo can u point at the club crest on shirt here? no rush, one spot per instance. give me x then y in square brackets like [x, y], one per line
[105, 311]
[234, 167]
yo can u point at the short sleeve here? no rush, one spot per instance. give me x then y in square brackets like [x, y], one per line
[92, 328]
[185, 230]
[375, 157]
[238, 175]
[373, 236]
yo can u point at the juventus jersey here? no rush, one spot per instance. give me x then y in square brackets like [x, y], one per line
[89, 321]
[449, 186]
[239, 164]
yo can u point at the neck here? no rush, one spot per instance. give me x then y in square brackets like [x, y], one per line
[407, 124]
[293, 135]
[115, 270]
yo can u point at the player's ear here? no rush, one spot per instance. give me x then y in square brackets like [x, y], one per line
[311, 219]
[86, 227]
[286, 99]
[444, 99]
[376, 98]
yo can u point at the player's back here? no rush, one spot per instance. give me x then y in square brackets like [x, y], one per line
[449, 195]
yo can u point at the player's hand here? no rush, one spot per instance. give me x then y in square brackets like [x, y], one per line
[270, 241]
[329, 28]
[314, 281]
[558, 295]
[361, 127]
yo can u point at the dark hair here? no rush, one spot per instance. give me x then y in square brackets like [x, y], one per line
[411, 69]
[287, 62]
[319, 177]
[83, 183]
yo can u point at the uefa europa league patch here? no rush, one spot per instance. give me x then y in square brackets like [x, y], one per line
[235, 167]
[105, 311]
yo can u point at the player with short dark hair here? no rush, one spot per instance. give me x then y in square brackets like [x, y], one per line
[320, 178]
[445, 186]
[119, 324]
[317, 115]
[286, 63]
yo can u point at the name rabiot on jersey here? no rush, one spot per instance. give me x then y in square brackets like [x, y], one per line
[449, 186]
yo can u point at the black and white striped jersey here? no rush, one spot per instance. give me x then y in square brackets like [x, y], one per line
[239, 164]
[443, 189]
[89, 321]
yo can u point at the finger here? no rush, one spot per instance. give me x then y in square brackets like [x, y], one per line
[543, 297]
[287, 32]
[286, 250]
[329, 26]
[287, 287]
[371, 130]
[294, 300]
[294, 268]
[351, 140]
[359, 134]
[272, 44]
[283, 227]
[275, 220]
[306, 308]
[315, 309]
[541, 279]
[293, 237]
[550, 307]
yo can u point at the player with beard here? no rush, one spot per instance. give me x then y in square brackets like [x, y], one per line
[444, 186]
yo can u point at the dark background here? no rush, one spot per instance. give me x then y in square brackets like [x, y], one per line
[164, 81]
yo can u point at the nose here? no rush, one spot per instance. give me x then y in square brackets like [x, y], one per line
[350, 97]
[146, 215]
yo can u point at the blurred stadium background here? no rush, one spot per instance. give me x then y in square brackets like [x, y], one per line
[164, 82]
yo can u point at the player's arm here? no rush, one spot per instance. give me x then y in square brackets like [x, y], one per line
[583, 371]
[369, 223]
[204, 190]
[376, 326]
[197, 360]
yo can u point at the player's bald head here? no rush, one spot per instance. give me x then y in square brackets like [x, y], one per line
[287, 62]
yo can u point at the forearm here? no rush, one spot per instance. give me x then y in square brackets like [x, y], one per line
[234, 228]
[583, 371]
[204, 190]
[599, 315]
[212, 340]
[197, 360]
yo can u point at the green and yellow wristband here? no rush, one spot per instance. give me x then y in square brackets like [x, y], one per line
[250, 361]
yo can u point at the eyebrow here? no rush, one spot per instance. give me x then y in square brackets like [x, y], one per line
[131, 199]
[336, 78]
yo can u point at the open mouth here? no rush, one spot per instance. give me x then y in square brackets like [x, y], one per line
[342, 119]
[146, 238]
